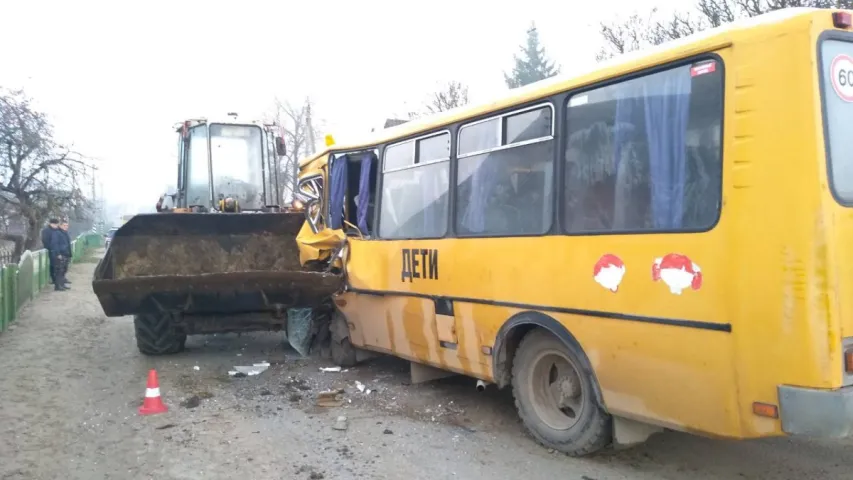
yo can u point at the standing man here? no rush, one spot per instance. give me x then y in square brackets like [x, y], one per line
[60, 252]
[63, 228]
[46, 232]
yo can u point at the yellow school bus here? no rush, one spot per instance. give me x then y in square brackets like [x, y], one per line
[665, 241]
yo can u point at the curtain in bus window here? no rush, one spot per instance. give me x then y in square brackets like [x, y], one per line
[364, 192]
[667, 110]
[428, 197]
[482, 182]
[434, 183]
[337, 192]
[627, 124]
[625, 103]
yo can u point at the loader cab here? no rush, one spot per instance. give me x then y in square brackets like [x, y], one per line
[228, 167]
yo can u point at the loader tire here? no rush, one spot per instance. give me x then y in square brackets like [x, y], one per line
[157, 335]
[342, 350]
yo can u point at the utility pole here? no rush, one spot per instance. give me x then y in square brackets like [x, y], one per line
[95, 206]
[96, 210]
[94, 193]
[309, 126]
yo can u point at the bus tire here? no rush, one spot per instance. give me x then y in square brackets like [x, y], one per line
[343, 352]
[157, 335]
[555, 399]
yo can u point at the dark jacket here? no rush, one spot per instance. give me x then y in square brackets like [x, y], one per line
[45, 235]
[59, 243]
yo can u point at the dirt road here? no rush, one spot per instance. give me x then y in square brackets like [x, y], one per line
[72, 381]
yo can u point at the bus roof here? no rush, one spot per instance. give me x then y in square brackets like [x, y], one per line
[699, 42]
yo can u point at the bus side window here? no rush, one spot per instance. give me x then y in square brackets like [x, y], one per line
[416, 179]
[645, 154]
[505, 171]
[362, 183]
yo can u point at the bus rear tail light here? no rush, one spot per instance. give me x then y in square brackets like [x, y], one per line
[767, 410]
[848, 361]
[842, 20]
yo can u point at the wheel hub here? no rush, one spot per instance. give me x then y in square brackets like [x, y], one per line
[568, 388]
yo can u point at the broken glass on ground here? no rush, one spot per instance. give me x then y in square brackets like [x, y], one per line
[250, 370]
[331, 398]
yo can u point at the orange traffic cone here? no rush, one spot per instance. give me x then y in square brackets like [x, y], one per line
[152, 404]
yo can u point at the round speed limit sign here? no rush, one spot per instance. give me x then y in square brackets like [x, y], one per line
[841, 72]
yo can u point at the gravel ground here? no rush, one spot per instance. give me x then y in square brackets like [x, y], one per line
[72, 381]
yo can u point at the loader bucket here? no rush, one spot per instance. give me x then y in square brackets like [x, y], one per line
[208, 264]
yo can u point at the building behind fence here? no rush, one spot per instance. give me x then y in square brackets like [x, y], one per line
[20, 282]
[7, 255]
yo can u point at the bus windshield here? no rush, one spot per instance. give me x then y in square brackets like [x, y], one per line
[237, 162]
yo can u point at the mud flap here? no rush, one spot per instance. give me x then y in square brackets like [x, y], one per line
[301, 329]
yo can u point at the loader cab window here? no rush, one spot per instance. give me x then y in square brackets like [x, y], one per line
[273, 196]
[352, 193]
[180, 161]
[198, 168]
[236, 156]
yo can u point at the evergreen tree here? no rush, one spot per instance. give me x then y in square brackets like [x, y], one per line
[533, 65]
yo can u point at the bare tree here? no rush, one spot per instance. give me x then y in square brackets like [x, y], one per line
[300, 135]
[447, 96]
[636, 31]
[38, 177]
[625, 36]
[453, 94]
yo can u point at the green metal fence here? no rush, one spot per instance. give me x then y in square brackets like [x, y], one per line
[21, 282]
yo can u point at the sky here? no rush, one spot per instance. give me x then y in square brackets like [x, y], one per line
[114, 77]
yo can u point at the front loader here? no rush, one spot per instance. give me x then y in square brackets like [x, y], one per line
[221, 254]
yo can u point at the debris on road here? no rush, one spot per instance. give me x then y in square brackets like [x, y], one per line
[168, 425]
[191, 402]
[387, 431]
[340, 423]
[196, 368]
[254, 369]
[330, 369]
[361, 388]
[330, 398]
[312, 473]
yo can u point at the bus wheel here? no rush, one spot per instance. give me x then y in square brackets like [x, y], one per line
[555, 398]
[344, 354]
